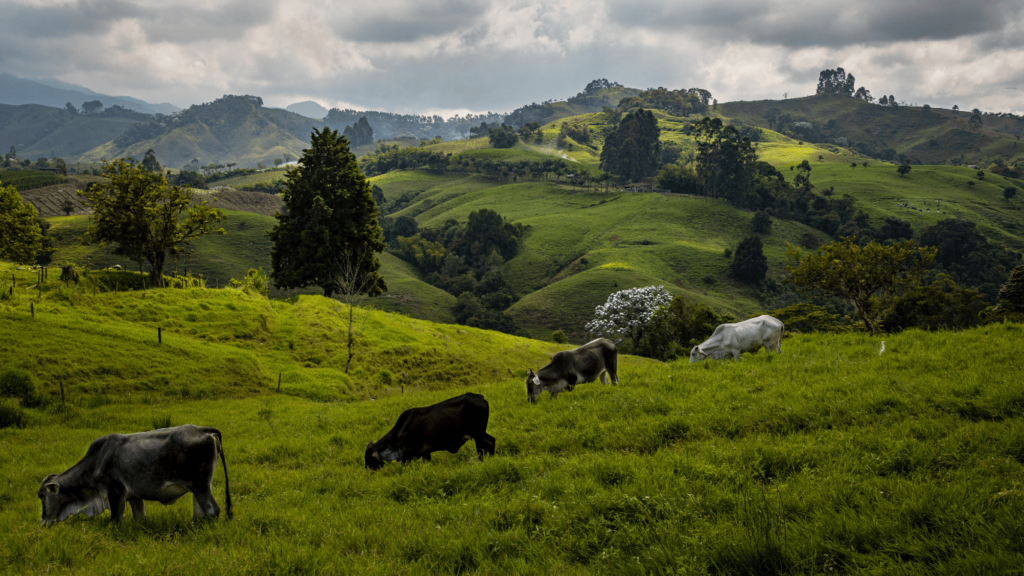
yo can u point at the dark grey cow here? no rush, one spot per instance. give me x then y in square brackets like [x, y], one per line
[443, 426]
[597, 358]
[160, 465]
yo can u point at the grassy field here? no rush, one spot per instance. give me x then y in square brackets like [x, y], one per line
[831, 457]
[582, 246]
[933, 193]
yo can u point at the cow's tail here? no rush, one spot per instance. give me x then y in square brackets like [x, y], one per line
[227, 485]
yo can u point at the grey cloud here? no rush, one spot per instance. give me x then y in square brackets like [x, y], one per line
[186, 23]
[798, 25]
[85, 17]
[409, 21]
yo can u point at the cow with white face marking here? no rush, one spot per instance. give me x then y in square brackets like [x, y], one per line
[732, 340]
[160, 465]
[595, 359]
[443, 426]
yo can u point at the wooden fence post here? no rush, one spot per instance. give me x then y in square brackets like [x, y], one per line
[279, 381]
[159, 336]
[62, 393]
[32, 307]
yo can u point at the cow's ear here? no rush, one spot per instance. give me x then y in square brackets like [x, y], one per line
[53, 488]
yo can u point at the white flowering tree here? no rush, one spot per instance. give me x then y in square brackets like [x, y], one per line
[627, 312]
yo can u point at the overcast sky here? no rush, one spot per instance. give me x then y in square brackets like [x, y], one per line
[454, 56]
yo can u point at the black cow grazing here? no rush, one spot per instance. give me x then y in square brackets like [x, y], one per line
[597, 358]
[443, 426]
[160, 465]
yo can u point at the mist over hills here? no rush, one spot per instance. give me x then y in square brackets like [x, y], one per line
[48, 92]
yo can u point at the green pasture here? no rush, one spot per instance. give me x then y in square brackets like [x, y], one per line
[237, 182]
[582, 246]
[938, 193]
[829, 457]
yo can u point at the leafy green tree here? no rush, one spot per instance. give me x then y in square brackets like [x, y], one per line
[975, 121]
[726, 163]
[835, 82]
[941, 305]
[92, 107]
[359, 134]
[761, 223]
[896, 229]
[149, 161]
[869, 276]
[968, 256]
[21, 238]
[632, 149]
[1011, 295]
[903, 169]
[503, 137]
[677, 179]
[1009, 192]
[749, 262]
[139, 212]
[330, 221]
[67, 206]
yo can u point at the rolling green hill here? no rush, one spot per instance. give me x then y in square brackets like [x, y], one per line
[231, 129]
[41, 131]
[932, 136]
[828, 457]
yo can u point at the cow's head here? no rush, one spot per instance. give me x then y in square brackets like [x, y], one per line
[696, 355]
[373, 459]
[533, 386]
[59, 505]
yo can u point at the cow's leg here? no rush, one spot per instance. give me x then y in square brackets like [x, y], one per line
[604, 377]
[203, 504]
[484, 443]
[138, 508]
[116, 494]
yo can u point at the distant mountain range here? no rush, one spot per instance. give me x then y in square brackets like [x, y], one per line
[241, 130]
[49, 92]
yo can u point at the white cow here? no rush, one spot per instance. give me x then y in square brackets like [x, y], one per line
[735, 339]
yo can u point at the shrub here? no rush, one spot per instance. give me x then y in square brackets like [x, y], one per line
[674, 328]
[255, 282]
[17, 383]
[11, 415]
[559, 337]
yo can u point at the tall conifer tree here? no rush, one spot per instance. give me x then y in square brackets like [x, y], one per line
[329, 227]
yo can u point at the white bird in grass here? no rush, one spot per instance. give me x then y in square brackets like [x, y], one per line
[883, 348]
